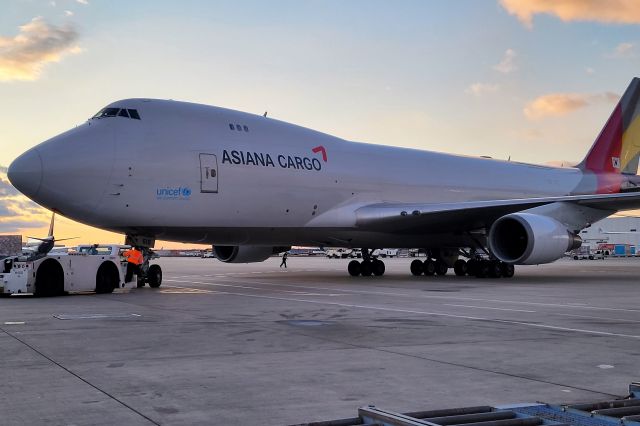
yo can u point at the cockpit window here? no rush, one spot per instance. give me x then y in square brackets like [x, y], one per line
[118, 112]
[107, 112]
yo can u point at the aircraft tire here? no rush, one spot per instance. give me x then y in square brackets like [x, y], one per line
[417, 267]
[495, 269]
[429, 267]
[366, 268]
[482, 269]
[460, 268]
[378, 268]
[441, 268]
[508, 270]
[154, 276]
[472, 265]
[354, 268]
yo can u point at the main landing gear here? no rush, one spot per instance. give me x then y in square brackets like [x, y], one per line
[480, 268]
[367, 267]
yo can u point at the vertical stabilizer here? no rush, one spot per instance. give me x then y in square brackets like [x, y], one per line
[617, 147]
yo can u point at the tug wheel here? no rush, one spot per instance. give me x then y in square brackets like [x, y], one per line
[154, 276]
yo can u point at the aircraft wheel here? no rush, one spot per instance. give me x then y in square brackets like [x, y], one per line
[441, 268]
[508, 270]
[366, 268]
[154, 276]
[460, 267]
[429, 267]
[354, 268]
[472, 265]
[417, 267]
[482, 269]
[378, 268]
[495, 269]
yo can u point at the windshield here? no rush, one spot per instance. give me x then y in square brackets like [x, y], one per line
[117, 112]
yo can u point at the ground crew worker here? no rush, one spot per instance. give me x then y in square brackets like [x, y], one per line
[134, 260]
[284, 259]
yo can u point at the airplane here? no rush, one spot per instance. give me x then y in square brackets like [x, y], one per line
[254, 186]
[39, 249]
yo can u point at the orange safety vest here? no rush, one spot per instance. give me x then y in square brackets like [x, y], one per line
[134, 256]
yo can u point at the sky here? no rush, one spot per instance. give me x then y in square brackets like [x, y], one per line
[530, 80]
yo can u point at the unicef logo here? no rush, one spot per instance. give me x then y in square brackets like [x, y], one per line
[173, 193]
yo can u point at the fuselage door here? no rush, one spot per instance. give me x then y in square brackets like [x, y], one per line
[208, 173]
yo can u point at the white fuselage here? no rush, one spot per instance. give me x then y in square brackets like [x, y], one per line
[182, 173]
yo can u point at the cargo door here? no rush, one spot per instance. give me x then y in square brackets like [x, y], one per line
[208, 173]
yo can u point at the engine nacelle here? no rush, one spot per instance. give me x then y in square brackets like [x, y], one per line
[530, 239]
[245, 254]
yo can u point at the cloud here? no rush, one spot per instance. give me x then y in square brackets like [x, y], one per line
[85, 2]
[68, 13]
[38, 43]
[590, 71]
[623, 50]
[507, 64]
[14, 226]
[479, 89]
[610, 11]
[16, 210]
[6, 188]
[559, 104]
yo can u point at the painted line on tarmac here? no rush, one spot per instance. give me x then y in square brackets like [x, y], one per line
[601, 318]
[439, 314]
[487, 307]
[299, 293]
[423, 296]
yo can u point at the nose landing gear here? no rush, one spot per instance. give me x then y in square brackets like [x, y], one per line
[147, 273]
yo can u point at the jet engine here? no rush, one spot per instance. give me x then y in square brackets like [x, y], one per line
[245, 254]
[530, 239]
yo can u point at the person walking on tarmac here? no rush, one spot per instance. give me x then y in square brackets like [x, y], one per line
[134, 258]
[284, 259]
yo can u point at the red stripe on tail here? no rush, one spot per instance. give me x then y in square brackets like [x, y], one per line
[604, 157]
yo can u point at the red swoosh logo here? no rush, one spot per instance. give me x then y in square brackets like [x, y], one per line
[321, 149]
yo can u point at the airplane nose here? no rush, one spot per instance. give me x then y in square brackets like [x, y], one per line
[25, 173]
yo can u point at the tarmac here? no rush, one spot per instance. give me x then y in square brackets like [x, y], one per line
[258, 344]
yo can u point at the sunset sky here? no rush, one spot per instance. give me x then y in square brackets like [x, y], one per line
[533, 80]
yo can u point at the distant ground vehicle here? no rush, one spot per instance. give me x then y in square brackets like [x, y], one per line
[340, 253]
[207, 255]
[586, 253]
[385, 253]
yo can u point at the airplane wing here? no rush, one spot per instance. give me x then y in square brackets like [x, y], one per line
[469, 215]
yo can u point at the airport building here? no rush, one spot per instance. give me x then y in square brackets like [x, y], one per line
[613, 230]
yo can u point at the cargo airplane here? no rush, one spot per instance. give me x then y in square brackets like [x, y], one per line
[253, 186]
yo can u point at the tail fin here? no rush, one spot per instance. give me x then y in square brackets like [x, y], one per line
[617, 147]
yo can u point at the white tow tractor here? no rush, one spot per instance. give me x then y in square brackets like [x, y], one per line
[99, 268]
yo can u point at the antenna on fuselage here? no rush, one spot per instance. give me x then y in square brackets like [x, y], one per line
[265, 114]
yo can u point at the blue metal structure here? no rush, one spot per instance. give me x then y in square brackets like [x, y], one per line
[623, 411]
